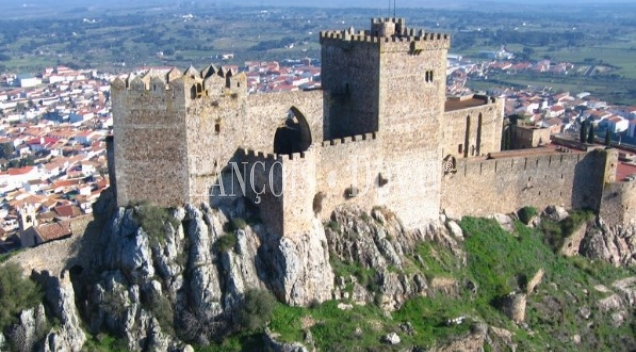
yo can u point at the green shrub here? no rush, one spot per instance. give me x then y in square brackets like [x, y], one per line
[365, 217]
[555, 233]
[333, 226]
[153, 219]
[496, 258]
[17, 293]
[257, 309]
[238, 224]
[526, 214]
[226, 242]
[162, 310]
[105, 343]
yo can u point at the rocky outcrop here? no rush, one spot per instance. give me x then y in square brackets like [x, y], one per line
[616, 245]
[60, 297]
[195, 272]
[514, 306]
[470, 342]
[301, 270]
[32, 326]
[380, 244]
[535, 281]
[271, 344]
[555, 213]
[572, 244]
[157, 288]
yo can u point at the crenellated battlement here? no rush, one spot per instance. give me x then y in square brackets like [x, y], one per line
[253, 155]
[210, 81]
[366, 37]
[260, 156]
[294, 156]
[387, 30]
[350, 139]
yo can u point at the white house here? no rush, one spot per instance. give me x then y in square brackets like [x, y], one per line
[15, 178]
[617, 124]
[28, 81]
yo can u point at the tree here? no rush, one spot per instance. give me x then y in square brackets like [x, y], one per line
[608, 138]
[506, 141]
[583, 132]
[7, 150]
[16, 294]
[590, 135]
[257, 309]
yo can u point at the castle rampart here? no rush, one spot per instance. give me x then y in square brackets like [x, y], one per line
[619, 203]
[481, 187]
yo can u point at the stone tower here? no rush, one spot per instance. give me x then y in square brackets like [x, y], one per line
[392, 80]
[386, 78]
[27, 218]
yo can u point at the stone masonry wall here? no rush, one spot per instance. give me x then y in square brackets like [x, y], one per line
[57, 256]
[267, 112]
[619, 198]
[149, 134]
[412, 91]
[345, 165]
[528, 137]
[619, 203]
[299, 185]
[481, 141]
[215, 130]
[350, 77]
[245, 122]
[483, 187]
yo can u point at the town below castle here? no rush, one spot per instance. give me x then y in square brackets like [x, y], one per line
[387, 99]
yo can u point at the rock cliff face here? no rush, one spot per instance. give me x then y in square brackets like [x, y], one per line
[195, 273]
[379, 243]
[614, 244]
[161, 285]
[192, 275]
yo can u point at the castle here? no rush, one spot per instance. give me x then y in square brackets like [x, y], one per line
[380, 132]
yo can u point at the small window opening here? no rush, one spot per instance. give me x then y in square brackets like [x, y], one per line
[460, 148]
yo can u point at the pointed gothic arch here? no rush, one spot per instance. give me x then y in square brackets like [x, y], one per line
[294, 135]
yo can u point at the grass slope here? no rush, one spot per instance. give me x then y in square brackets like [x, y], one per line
[498, 263]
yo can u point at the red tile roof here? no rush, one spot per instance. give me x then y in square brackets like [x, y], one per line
[54, 231]
[67, 211]
[21, 171]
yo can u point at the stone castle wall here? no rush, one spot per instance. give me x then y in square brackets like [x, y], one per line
[245, 122]
[619, 203]
[529, 137]
[350, 73]
[379, 130]
[473, 131]
[347, 172]
[412, 91]
[57, 256]
[149, 134]
[619, 198]
[483, 187]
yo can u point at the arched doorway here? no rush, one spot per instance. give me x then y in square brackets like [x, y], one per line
[294, 136]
